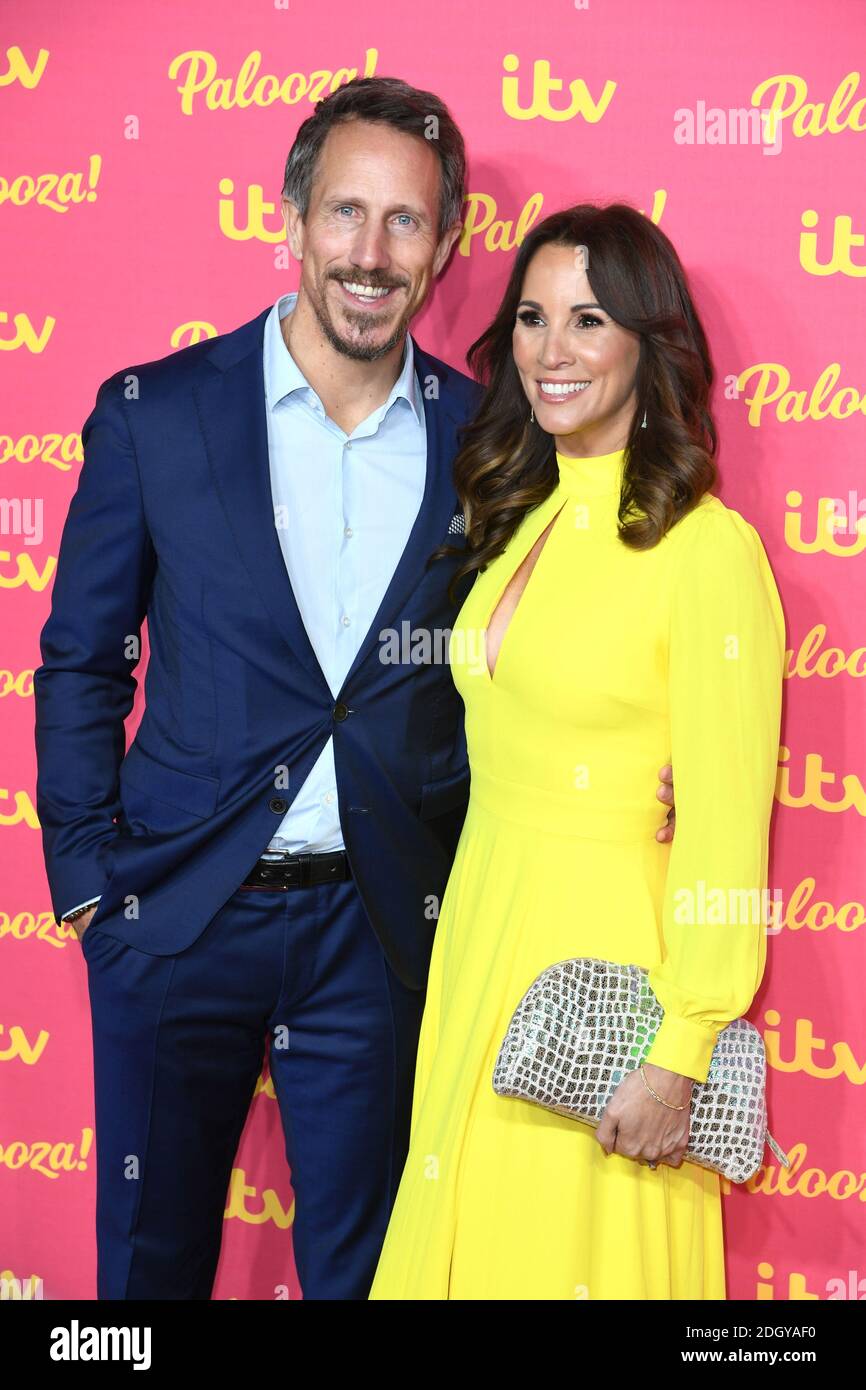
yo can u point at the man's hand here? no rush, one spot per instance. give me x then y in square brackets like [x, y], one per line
[638, 1126]
[666, 793]
[82, 922]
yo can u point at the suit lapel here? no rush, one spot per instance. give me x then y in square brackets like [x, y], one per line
[434, 514]
[232, 416]
[232, 406]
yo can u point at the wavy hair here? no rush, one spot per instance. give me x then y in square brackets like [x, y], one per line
[506, 464]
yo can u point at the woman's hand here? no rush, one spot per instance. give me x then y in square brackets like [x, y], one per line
[665, 793]
[638, 1126]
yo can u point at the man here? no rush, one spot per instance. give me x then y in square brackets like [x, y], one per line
[268, 857]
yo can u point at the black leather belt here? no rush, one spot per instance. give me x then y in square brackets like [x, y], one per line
[299, 871]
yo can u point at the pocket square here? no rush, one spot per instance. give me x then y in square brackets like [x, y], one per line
[457, 525]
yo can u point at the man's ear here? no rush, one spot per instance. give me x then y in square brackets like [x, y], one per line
[443, 250]
[294, 224]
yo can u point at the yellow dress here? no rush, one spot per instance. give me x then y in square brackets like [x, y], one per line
[614, 662]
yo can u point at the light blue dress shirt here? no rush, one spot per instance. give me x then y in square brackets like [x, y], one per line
[344, 505]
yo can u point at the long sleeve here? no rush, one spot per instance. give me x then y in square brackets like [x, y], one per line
[726, 658]
[84, 688]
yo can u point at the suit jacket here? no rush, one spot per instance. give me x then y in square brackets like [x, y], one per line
[173, 519]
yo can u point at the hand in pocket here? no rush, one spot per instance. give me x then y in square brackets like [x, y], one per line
[80, 924]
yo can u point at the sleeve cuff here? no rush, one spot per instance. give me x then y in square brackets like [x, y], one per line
[683, 1046]
[89, 903]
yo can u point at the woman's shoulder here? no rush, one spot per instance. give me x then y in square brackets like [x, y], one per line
[719, 565]
[716, 533]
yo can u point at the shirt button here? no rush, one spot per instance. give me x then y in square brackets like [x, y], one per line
[328, 798]
[348, 531]
[277, 803]
[348, 443]
[346, 621]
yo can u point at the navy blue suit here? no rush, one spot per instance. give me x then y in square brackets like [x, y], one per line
[173, 520]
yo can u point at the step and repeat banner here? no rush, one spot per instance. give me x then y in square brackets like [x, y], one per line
[140, 174]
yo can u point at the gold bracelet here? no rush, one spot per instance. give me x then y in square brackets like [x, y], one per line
[656, 1094]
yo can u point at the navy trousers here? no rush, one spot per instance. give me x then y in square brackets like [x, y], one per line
[178, 1044]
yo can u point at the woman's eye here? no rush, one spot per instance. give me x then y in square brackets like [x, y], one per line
[584, 321]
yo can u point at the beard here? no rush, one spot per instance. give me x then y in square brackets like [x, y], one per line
[360, 349]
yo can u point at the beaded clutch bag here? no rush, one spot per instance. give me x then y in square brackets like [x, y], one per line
[583, 1024]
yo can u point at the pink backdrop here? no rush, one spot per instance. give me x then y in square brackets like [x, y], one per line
[137, 214]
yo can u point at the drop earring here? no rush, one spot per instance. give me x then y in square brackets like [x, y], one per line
[643, 422]
[532, 415]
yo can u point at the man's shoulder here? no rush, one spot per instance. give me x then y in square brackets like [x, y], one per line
[178, 369]
[462, 393]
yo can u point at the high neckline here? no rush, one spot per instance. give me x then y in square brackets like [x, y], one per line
[591, 477]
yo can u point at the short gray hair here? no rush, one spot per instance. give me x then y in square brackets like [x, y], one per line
[392, 102]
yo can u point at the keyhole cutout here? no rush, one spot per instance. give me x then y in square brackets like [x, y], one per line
[507, 604]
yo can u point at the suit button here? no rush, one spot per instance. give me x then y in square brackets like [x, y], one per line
[341, 712]
[277, 803]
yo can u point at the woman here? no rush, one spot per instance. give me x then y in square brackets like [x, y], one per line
[627, 618]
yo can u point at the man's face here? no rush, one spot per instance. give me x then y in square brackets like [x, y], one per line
[368, 247]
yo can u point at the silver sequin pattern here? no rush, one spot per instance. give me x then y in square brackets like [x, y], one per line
[583, 1024]
[457, 525]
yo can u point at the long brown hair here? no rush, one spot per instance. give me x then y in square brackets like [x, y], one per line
[506, 464]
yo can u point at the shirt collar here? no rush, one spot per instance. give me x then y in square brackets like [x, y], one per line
[283, 376]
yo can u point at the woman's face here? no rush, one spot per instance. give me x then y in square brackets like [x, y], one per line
[577, 366]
